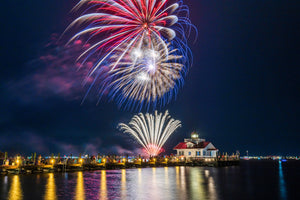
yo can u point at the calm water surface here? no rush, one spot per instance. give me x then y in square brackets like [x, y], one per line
[250, 180]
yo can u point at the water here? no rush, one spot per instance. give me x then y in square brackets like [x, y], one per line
[250, 180]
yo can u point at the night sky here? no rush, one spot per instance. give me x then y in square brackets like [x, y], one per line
[242, 92]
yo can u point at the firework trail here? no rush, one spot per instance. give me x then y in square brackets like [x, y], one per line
[145, 76]
[111, 24]
[141, 47]
[151, 131]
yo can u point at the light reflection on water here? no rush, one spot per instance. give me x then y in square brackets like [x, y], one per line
[123, 184]
[282, 187]
[198, 191]
[80, 194]
[15, 192]
[150, 183]
[50, 192]
[103, 186]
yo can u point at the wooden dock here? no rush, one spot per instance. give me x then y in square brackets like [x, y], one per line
[33, 169]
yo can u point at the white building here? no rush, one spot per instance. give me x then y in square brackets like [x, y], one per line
[196, 147]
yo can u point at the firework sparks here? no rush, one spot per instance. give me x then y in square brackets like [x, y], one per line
[141, 49]
[111, 24]
[145, 76]
[151, 131]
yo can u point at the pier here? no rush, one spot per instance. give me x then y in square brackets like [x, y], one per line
[32, 165]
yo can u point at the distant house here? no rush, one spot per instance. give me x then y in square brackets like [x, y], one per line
[196, 147]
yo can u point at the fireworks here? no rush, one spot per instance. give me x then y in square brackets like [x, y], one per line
[114, 23]
[143, 44]
[151, 131]
[146, 76]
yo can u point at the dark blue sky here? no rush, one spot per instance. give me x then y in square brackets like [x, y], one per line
[242, 92]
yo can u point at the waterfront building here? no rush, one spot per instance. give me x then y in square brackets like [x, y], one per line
[196, 147]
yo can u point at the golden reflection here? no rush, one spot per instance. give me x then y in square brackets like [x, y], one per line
[206, 172]
[50, 188]
[177, 175]
[182, 177]
[212, 188]
[80, 187]
[167, 176]
[103, 186]
[140, 176]
[123, 184]
[154, 175]
[181, 182]
[167, 190]
[154, 170]
[197, 184]
[15, 192]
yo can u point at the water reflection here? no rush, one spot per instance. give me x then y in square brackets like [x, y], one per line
[50, 193]
[15, 192]
[177, 175]
[154, 189]
[180, 180]
[167, 176]
[154, 174]
[139, 176]
[282, 187]
[197, 184]
[123, 185]
[4, 186]
[212, 189]
[139, 183]
[80, 194]
[151, 183]
[103, 186]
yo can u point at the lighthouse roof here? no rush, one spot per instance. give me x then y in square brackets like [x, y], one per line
[183, 145]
